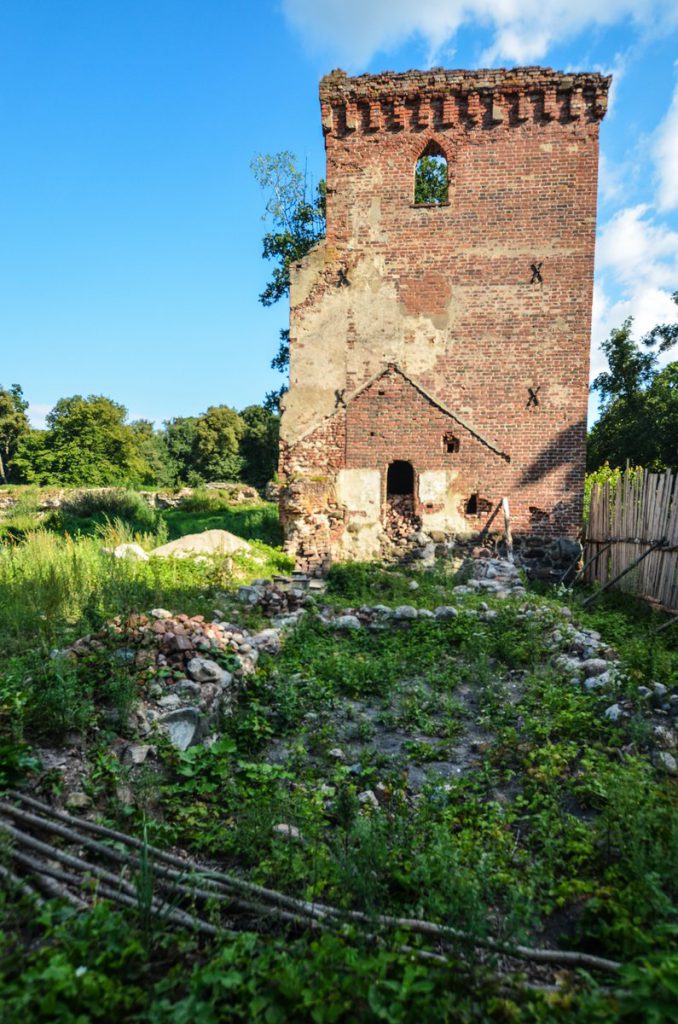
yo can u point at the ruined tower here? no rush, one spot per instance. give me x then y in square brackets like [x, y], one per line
[439, 351]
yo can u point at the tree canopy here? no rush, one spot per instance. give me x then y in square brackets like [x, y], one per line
[295, 211]
[430, 180]
[87, 443]
[639, 401]
[14, 427]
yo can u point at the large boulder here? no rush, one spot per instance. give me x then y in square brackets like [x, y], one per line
[209, 542]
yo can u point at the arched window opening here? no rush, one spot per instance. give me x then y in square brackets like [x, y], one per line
[430, 177]
[400, 479]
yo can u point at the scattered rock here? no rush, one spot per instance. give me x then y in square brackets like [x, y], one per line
[665, 737]
[209, 542]
[614, 712]
[134, 552]
[347, 622]
[595, 666]
[667, 762]
[136, 753]
[288, 831]
[405, 611]
[160, 613]
[446, 611]
[181, 727]
[204, 670]
[368, 798]
[77, 801]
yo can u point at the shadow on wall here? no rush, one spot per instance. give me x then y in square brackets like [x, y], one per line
[566, 451]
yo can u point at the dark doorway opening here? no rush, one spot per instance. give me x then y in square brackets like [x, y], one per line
[400, 479]
[400, 520]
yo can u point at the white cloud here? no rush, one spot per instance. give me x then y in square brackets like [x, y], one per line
[636, 249]
[637, 271]
[37, 413]
[666, 158]
[352, 31]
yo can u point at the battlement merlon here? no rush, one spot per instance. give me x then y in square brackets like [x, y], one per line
[442, 98]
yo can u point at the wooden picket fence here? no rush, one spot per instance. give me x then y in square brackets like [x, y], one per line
[633, 533]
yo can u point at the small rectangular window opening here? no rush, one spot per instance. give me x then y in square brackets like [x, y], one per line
[451, 443]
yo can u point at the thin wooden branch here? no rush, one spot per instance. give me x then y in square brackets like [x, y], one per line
[261, 900]
[20, 884]
[594, 597]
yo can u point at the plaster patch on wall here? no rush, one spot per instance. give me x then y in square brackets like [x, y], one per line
[361, 545]
[360, 491]
[433, 486]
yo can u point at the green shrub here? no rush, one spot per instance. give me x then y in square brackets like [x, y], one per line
[112, 502]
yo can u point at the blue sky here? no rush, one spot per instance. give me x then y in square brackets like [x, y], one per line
[130, 224]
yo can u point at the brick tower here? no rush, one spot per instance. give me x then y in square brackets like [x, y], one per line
[439, 351]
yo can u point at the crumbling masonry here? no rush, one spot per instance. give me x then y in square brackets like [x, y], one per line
[439, 352]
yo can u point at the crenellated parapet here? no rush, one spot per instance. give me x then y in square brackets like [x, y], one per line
[440, 99]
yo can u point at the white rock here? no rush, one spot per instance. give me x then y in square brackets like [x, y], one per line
[169, 702]
[614, 712]
[405, 611]
[347, 622]
[160, 613]
[665, 737]
[368, 798]
[181, 727]
[135, 552]
[204, 670]
[267, 640]
[446, 611]
[596, 682]
[288, 831]
[413, 585]
[209, 542]
[667, 762]
[659, 689]
[595, 666]
[136, 753]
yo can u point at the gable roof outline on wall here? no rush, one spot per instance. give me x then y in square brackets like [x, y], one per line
[390, 367]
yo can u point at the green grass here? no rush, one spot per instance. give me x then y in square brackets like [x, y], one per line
[252, 522]
[559, 829]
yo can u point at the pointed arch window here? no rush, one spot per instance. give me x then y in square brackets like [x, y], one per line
[431, 184]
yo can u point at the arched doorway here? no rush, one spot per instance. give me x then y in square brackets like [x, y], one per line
[400, 479]
[400, 520]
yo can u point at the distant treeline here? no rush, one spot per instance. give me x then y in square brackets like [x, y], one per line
[89, 442]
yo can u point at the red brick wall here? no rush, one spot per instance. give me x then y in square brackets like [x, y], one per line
[522, 151]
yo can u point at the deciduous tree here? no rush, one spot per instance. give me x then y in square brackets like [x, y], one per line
[639, 417]
[13, 427]
[259, 445]
[296, 214]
